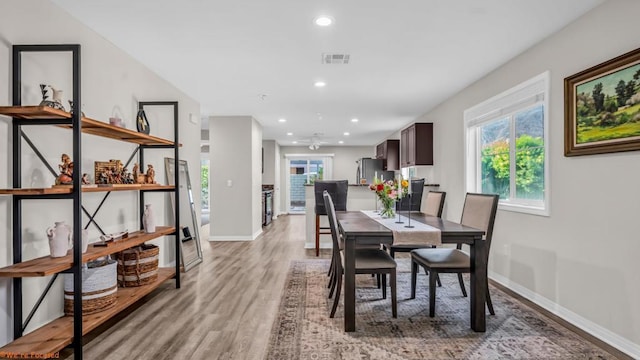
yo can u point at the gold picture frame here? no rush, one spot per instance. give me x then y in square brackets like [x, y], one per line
[602, 107]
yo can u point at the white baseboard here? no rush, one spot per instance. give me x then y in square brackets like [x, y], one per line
[236, 238]
[586, 325]
[313, 246]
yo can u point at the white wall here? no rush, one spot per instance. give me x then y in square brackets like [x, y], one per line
[344, 164]
[580, 262]
[235, 156]
[269, 174]
[111, 81]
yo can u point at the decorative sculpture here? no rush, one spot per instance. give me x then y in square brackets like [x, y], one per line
[66, 171]
[151, 174]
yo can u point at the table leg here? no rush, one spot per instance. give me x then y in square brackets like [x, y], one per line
[349, 285]
[479, 289]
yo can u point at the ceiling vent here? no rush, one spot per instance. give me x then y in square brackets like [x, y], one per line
[335, 58]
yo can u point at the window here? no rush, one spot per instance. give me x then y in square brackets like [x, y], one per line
[507, 147]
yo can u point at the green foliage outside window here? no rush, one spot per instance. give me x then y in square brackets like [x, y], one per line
[529, 165]
[204, 181]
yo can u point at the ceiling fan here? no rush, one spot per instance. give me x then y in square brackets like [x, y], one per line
[314, 141]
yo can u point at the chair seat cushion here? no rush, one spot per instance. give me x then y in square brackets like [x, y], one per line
[441, 258]
[372, 259]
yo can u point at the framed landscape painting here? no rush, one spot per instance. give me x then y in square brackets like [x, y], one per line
[602, 107]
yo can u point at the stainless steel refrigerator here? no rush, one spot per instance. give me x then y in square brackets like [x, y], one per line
[367, 168]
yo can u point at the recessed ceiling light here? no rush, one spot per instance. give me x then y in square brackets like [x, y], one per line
[319, 84]
[354, 120]
[289, 133]
[294, 142]
[282, 120]
[323, 20]
[346, 134]
[340, 142]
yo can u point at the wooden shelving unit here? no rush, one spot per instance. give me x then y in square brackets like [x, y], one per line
[57, 334]
[69, 330]
[69, 190]
[46, 265]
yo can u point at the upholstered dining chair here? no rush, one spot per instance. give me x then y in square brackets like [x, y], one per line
[338, 190]
[479, 212]
[367, 261]
[434, 205]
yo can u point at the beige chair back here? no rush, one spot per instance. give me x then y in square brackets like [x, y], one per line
[434, 203]
[480, 212]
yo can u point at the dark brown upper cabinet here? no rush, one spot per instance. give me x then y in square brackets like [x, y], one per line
[389, 151]
[416, 145]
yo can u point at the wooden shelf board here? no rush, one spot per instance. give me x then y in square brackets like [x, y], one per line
[36, 191]
[57, 334]
[46, 265]
[89, 126]
[68, 190]
[34, 112]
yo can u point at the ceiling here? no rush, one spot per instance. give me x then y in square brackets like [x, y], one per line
[261, 58]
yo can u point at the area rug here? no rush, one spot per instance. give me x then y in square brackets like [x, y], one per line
[303, 329]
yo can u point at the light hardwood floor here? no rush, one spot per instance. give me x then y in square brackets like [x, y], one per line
[225, 307]
[223, 310]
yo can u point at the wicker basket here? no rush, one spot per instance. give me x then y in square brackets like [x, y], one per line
[99, 287]
[138, 266]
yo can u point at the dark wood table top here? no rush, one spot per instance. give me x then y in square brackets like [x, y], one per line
[356, 223]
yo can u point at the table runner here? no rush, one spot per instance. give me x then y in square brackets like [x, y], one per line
[420, 234]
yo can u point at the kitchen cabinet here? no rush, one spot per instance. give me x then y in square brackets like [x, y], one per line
[389, 152]
[416, 145]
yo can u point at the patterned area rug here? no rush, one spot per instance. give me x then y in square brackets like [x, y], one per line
[303, 329]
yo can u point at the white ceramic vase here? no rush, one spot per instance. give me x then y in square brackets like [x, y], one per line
[59, 238]
[148, 221]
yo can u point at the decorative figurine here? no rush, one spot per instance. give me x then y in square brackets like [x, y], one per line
[66, 171]
[85, 179]
[151, 173]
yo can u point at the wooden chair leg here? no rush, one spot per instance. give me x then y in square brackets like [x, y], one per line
[432, 293]
[489, 303]
[438, 280]
[414, 275]
[331, 265]
[464, 291]
[317, 235]
[394, 295]
[384, 285]
[336, 300]
[332, 283]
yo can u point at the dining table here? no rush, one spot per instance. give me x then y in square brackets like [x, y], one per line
[357, 228]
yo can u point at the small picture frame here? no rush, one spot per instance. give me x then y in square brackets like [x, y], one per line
[142, 124]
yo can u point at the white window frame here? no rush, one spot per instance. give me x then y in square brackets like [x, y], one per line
[532, 92]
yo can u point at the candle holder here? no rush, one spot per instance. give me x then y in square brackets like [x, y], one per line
[409, 225]
[398, 211]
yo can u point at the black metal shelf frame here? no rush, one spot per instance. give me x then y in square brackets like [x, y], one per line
[76, 195]
[175, 147]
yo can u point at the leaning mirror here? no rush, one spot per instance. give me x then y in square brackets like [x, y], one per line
[190, 251]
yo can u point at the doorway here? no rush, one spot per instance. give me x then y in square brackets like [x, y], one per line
[303, 171]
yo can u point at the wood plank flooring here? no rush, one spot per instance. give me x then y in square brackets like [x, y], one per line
[224, 309]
